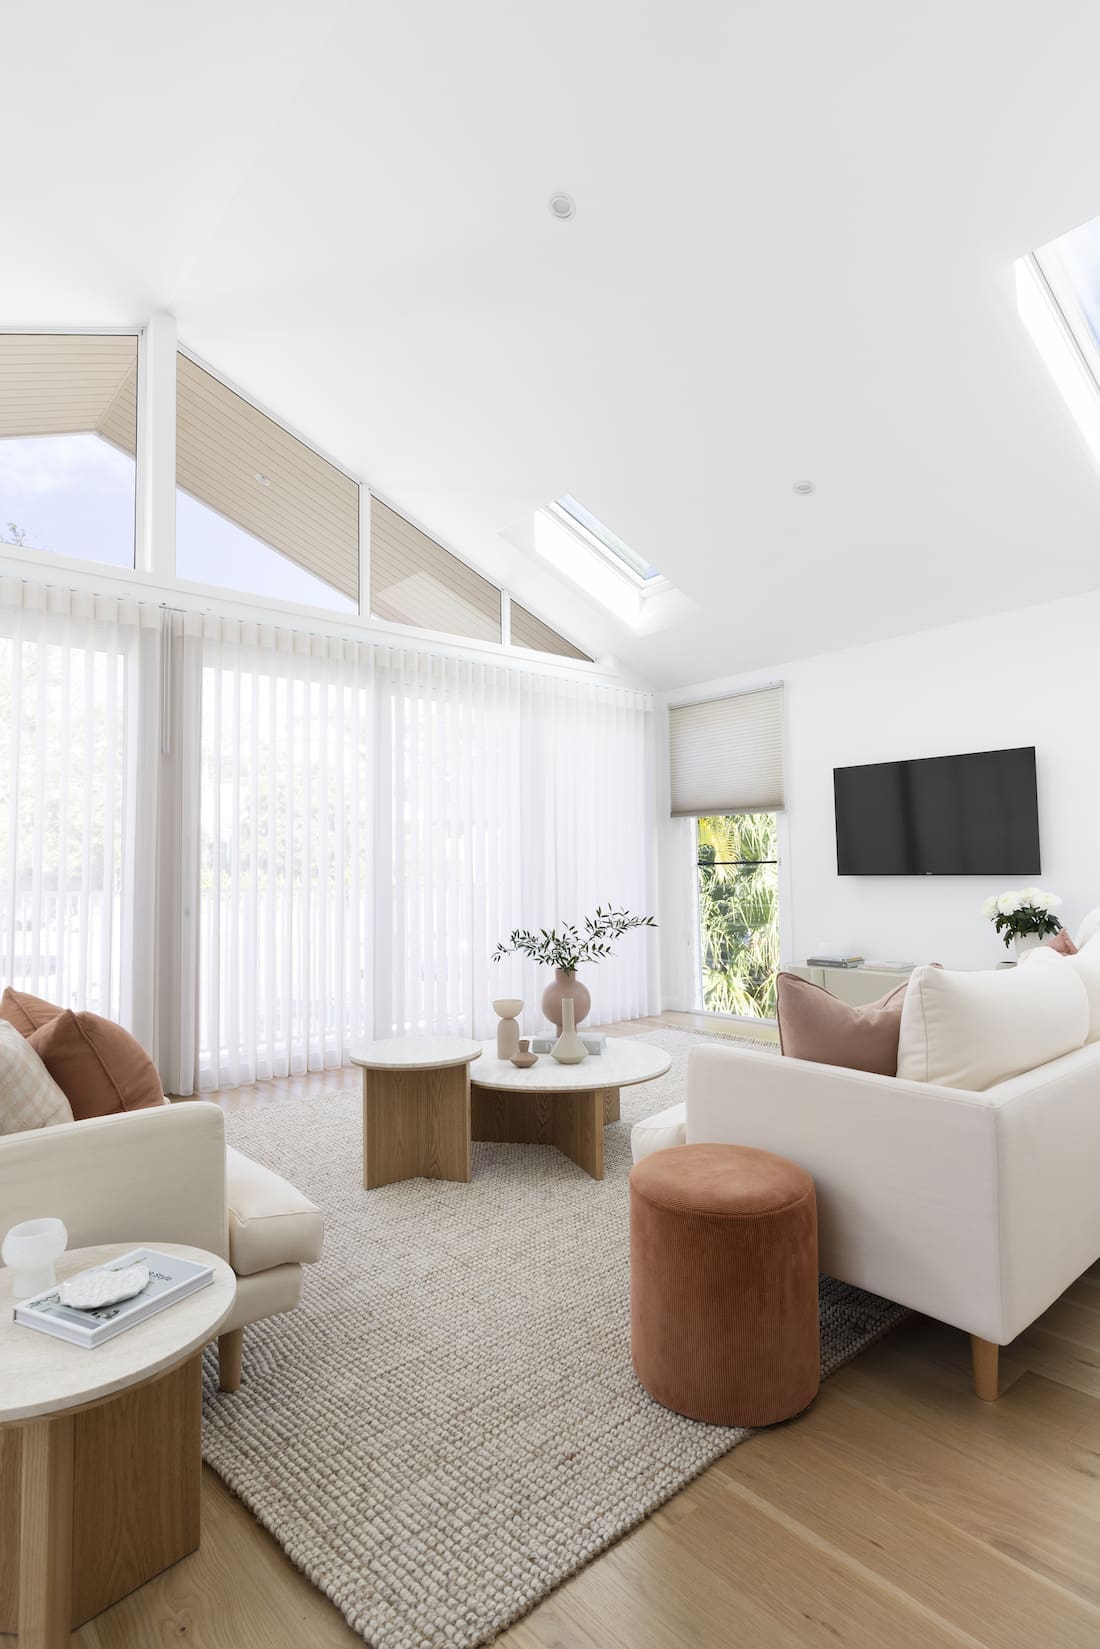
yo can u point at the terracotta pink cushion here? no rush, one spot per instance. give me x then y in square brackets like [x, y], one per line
[815, 1025]
[1062, 943]
[26, 1012]
[99, 1066]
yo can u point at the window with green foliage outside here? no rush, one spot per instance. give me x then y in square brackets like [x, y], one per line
[739, 913]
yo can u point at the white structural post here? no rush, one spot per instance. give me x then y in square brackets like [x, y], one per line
[364, 551]
[156, 511]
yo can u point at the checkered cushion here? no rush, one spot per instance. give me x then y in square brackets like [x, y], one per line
[29, 1096]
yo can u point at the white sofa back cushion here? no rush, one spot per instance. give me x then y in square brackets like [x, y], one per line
[1086, 965]
[1090, 924]
[972, 1030]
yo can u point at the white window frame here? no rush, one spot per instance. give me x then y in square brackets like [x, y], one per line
[634, 581]
[153, 576]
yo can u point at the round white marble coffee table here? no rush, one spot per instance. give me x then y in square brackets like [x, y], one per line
[99, 1454]
[563, 1105]
[416, 1108]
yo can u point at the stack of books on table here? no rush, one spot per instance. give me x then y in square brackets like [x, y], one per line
[834, 959]
[170, 1279]
[544, 1044]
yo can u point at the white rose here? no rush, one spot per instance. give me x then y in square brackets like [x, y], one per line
[989, 906]
[1008, 904]
[1048, 901]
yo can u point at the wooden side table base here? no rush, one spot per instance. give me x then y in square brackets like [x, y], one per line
[416, 1123]
[573, 1121]
[103, 1498]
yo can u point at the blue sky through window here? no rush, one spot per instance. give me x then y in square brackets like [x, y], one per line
[213, 550]
[73, 495]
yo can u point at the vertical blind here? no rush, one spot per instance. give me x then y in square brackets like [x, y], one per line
[726, 754]
[373, 820]
[77, 792]
[255, 846]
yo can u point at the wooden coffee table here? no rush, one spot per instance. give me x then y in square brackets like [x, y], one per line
[100, 1454]
[564, 1105]
[416, 1108]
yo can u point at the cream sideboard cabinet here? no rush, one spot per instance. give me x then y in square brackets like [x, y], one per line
[853, 985]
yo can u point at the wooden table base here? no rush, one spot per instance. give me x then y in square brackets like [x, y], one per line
[95, 1502]
[416, 1123]
[573, 1121]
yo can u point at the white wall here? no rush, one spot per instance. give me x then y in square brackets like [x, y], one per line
[1026, 677]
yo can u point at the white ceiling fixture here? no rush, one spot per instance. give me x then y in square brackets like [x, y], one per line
[563, 207]
[804, 488]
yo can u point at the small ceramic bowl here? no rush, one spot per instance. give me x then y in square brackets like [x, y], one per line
[507, 1007]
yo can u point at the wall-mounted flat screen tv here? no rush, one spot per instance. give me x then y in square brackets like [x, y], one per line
[973, 815]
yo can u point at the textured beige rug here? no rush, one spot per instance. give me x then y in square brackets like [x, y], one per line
[450, 1425]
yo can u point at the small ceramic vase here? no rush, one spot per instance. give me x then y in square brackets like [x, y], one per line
[507, 1031]
[525, 1058]
[568, 1049]
[1025, 942]
[30, 1249]
[566, 984]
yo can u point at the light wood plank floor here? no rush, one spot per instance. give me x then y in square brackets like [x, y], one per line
[898, 1513]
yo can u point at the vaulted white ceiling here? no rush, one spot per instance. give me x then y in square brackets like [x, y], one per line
[792, 257]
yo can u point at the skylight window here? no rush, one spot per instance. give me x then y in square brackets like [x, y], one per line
[594, 529]
[1058, 297]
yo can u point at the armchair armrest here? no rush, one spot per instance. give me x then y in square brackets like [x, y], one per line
[155, 1175]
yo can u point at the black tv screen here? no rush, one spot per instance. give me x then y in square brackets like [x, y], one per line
[971, 815]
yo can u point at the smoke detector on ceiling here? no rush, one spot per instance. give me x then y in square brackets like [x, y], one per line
[804, 488]
[563, 207]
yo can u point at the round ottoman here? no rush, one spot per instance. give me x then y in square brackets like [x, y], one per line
[723, 1283]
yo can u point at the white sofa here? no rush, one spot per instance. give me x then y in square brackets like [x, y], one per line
[977, 1208]
[166, 1175]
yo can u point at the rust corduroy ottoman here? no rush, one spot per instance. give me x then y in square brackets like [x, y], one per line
[723, 1283]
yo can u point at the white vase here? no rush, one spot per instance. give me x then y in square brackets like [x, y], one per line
[568, 1049]
[1025, 942]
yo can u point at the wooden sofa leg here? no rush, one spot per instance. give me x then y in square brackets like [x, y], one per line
[230, 1347]
[984, 1355]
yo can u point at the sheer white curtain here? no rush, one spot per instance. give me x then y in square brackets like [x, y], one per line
[506, 799]
[373, 820]
[285, 806]
[79, 678]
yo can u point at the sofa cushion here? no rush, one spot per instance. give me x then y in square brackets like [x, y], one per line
[100, 1066]
[815, 1025]
[659, 1132]
[29, 1096]
[270, 1222]
[972, 1030]
[1090, 924]
[1085, 963]
[1061, 943]
[26, 1012]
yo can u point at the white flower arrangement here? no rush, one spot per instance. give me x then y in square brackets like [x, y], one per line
[1021, 911]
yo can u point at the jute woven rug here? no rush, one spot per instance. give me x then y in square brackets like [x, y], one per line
[449, 1425]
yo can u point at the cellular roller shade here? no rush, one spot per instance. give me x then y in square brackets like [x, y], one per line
[726, 755]
[68, 384]
[236, 460]
[529, 631]
[414, 580]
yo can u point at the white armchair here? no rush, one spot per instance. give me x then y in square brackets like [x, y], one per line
[165, 1175]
